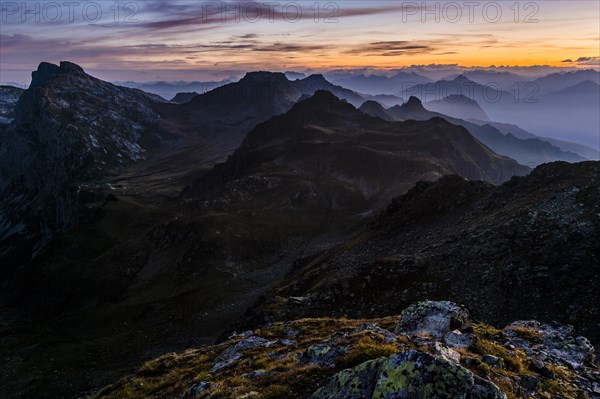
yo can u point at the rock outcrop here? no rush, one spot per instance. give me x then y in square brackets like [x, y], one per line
[351, 359]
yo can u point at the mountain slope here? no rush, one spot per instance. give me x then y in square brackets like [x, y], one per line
[507, 250]
[69, 129]
[182, 98]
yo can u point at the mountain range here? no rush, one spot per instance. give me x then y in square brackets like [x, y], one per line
[537, 106]
[132, 226]
[531, 151]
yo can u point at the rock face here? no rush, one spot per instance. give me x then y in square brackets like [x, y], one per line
[69, 129]
[351, 359]
[9, 96]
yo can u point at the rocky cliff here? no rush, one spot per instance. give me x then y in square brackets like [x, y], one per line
[69, 129]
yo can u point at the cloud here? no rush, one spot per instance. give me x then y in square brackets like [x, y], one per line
[216, 14]
[393, 48]
[593, 61]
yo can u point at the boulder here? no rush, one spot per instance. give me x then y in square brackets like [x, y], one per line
[431, 318]
[456, 339]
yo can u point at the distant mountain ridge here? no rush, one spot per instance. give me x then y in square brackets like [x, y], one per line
[530, 152]
[458, 106]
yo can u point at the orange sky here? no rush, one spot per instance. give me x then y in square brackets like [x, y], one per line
[178, 39]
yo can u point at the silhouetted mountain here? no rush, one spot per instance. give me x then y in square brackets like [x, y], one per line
[69, 129]
[313, 83]
[182, 98]
[375, 109]
[458, 106]
[387, 100]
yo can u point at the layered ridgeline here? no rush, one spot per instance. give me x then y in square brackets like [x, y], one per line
[69, 128]
[326, 139]
[538, 106]
[529, 150]
[431, 350]
[526, 249]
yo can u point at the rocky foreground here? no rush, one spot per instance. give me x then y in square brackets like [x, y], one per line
[432, 350]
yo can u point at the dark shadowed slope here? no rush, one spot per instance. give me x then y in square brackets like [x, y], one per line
[507, 250]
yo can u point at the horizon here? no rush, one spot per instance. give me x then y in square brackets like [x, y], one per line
[178, 40]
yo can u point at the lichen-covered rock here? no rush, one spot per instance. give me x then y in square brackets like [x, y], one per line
[411, 374]
[325, 354]
[456, 339]
[558, 343]
[196, 389]
[484, 389]
[445, 352]
[493, 361]
[231, 354]
[388, 336]
[432, 318]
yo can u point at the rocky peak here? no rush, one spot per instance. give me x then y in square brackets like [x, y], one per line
[462, 79]
[264, 77]
[413, 105]
[321, 102]
[47, 71]
[317, 78]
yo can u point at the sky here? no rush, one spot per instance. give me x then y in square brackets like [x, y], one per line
[145, 40]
